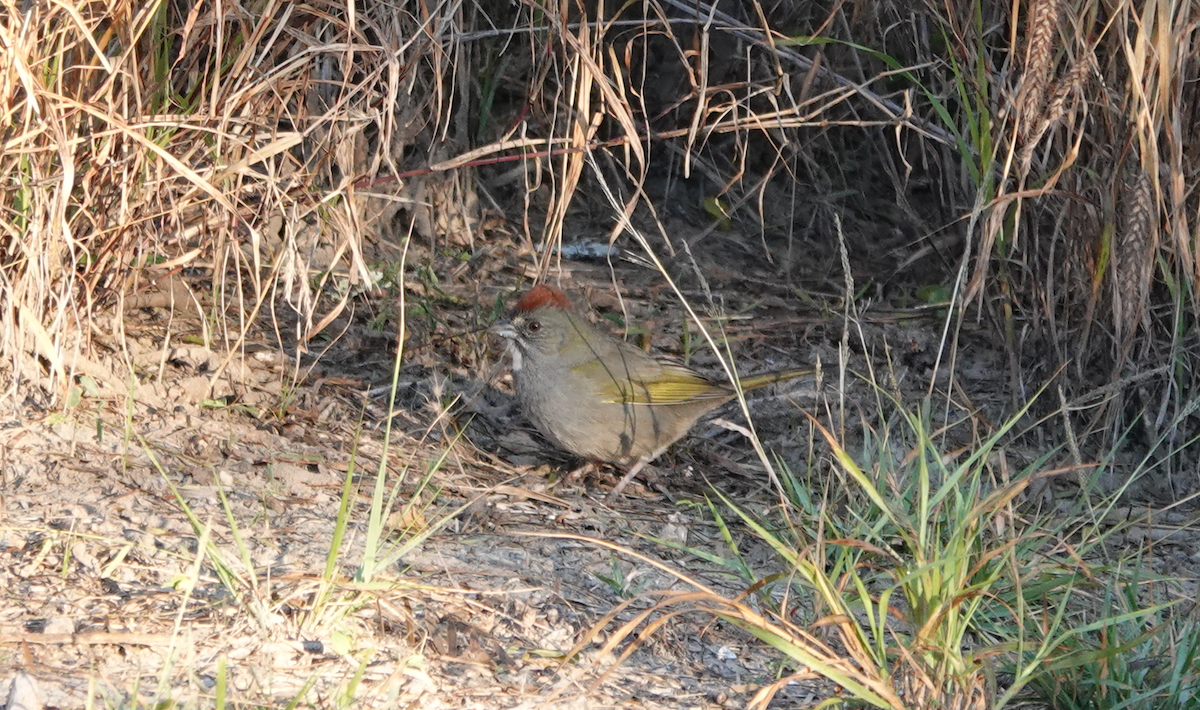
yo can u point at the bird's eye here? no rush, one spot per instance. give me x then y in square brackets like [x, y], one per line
[533, 326]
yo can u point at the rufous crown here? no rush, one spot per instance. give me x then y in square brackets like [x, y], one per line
[542, 295]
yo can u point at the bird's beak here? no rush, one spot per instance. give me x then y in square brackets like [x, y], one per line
[504, 329]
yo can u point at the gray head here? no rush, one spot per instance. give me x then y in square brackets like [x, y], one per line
[539, 325]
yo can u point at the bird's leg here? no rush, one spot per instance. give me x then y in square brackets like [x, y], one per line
[634, 470]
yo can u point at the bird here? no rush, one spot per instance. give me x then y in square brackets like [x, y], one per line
[599, 397]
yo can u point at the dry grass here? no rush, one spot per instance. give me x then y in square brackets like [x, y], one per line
[256, 148]
[1082, 193]
[240, 147]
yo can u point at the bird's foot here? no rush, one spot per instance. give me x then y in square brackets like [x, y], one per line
[634, 470]
[581, 473]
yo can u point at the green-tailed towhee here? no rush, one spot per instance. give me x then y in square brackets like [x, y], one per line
[600, 397]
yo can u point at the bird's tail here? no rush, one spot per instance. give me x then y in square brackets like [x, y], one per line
[769, 378]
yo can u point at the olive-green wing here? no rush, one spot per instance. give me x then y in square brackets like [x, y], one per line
[672, 384]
